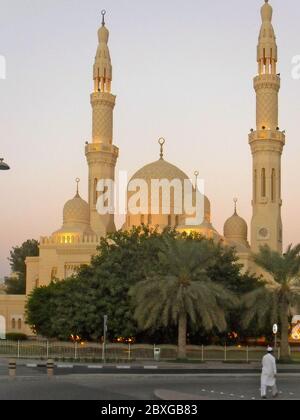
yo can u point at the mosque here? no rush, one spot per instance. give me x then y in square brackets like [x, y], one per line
[76, 241]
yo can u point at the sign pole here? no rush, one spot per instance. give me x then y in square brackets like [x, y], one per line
[275, 332]
[105, 318]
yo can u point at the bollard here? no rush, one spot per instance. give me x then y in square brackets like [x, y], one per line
[50, 368]
[12, 368]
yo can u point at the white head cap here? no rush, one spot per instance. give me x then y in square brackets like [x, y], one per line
[269, 350]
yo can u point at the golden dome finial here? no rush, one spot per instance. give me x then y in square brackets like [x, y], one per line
[235, 200]
[196, 173]
[77, 180]
[103, 13]
[161, 142]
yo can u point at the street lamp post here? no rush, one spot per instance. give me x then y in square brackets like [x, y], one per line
[3, 165]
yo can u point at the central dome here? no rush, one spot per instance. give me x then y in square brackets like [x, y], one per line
[161, 169]
[161, 206]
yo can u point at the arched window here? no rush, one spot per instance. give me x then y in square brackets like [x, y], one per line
[19, 323]
[177, 220]
[142, 219]
[169, 220]
[95, 192]
[273, 185]
[255, 186]
[13, 324]
[54, 273]
[150, 219]
[263, 183]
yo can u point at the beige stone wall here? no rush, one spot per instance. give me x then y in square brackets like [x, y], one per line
[32, 273]
[57, 261]
[13, 310]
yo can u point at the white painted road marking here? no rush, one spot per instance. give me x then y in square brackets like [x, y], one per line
[65, 366]
[95, 367]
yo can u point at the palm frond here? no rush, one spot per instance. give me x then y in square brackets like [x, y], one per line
[160, 300]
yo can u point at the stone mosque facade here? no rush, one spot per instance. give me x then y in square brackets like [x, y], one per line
[76, 241]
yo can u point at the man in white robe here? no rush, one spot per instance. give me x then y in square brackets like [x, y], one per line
[269, 372]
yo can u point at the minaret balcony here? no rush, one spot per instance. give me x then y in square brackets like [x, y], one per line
[267, 134]
[100, 153]
[272, 140]
[267, 81]
[101, 147]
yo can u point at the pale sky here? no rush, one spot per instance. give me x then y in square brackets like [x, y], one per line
[182, 70]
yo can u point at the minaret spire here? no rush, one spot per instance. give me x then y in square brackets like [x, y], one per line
[101, 153]
[267, 142]
[102, 67]
[267, 47]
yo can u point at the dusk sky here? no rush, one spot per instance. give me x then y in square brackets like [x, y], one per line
[182, 70]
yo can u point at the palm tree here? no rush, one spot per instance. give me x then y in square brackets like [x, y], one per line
[183, 292]
[279, 293]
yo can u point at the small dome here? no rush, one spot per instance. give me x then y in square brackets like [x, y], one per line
[236, 228]
[266, 12]
[76, 211]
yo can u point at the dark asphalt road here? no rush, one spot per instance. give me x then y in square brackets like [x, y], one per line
[127, 387]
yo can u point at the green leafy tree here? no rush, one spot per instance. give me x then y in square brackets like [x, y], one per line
[101, 288]
[182, 291]
[77, 305]
[16, 284]
[40, 309]
[278, 294]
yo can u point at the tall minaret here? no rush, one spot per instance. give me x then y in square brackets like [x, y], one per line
[267, 143]
[101, 154]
